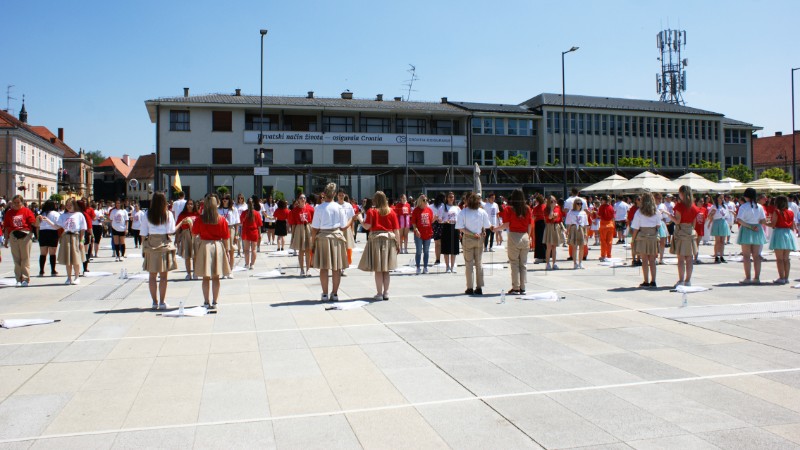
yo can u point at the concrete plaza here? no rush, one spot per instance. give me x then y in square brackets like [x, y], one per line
[609, 366]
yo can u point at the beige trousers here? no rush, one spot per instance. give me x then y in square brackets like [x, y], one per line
[473, 251]
[518, 246]
[21, 253]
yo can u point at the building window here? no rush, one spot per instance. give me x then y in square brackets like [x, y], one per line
[332, 124]
[415, 126]
[549, 122]
[252, 122]
[179, 121]
[179, 156]
[476, 125]
[341, 157]
[450, 158]
[488, 126]
[221, 156]
[266, 155]
[300, 123]
[573, 126]
[581, 128]
[442, 127]
[303, 156]
[499, 127]
[375, 125]
[416, 157]
[380, 157]
[221, 121]
[557, 123]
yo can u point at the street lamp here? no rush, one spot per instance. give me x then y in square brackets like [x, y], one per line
[261, 111]
[794, 146]
[564, 123]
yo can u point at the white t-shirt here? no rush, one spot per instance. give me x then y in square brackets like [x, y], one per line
[663, 212]
[53, 216]
[73, 222]
[570, 200]
[472, 220]
[137, 218]
[348, 210]
[577, 218]
[451, 213]
[177, 207]
[795, 210]
[119, 219]
[99, 217]
[240, 207]
[440, 212]
[719, 213]
[642, 221]
[621, 211]
[269, 212]
[167, 227]
[231, 215]
[750, 214]
[328, 215]
[492, 210]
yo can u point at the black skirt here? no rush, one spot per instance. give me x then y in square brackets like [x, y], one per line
[437, 231]
[280, 228]
[449, 239]
[540, 249]
[48, 238]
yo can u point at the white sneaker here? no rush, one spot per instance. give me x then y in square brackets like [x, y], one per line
[447, 270]
[25, 283]
[76, 280]
[548, 267]
[555, 266]
[454, 271]
[19, 284]
[188, 277]
[378, 297]
[302, 273]
[425, 270]
[324, 298]
[68, 282]
[334, 298]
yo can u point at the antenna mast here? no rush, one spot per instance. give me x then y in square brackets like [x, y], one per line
[9, 98]
[671, 82]
[410, 82]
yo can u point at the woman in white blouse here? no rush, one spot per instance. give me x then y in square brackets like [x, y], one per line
[645, 225]
[330, 244]
[576, 222]
[70, 248]
[450, 241]
[157, 247]
[718, 215]
[48, 237]
[751, 217]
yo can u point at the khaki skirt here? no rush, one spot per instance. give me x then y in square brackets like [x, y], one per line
[577, 236]
[552, 234]
[185, 241]
[350, 238]
[69, 249]
[380, 253]
[646, 242]
[301, 237]
[230, 243]
[210, 259]
[330, 250]
[159, 254]
[683, 240]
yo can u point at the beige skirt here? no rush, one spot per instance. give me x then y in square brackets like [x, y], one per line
[577, 236]
[683, 240]
[159, 254]
[70, 251]
[330, 250]
[211, 259]
[185, 241]
[380, 253]
[350, 237]
[552, 234]
[230, 244]
[301, 237]
[646, 242]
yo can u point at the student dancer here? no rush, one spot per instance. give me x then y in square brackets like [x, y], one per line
[240, 206]
[349, 215]
[231, 215]
[184, 237]
[439, 210]
[330, 245]
[97, 225]
[281, 215]
[48, 237]
[300, 220]
[403, 211]
[577, 222]
[70, 249]
[119, 229]
[594, 219]
[553, 237]
[783, 237]
[750, 218]
[663, 230]
[719, 215]
[700, 226]
[157, 248]
[269, 219]
[136, 225]
[684, 244]
[490, 206]
[646, 225]
[620, 215]
[82, 207]
[251, 232]
[539, 224]
[450, 241]
[18, 225]
[607, 228]
[516, 217]
[211, 231]
[422, 219]
[383, 244]
[628, 219]
[473, 222]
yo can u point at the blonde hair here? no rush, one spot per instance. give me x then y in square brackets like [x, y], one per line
[422, 201]
[330, 191]
[380, 203]
[648, 207]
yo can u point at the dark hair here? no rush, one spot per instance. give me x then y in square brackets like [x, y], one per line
[180, 194]
[574, 190]
[751, 195]
[250, 210]
[439, 199]
[281, 204]
[80, 206]
[256, 202]
[781, 202]
[48, 206]
[517, 201]
[157, 214]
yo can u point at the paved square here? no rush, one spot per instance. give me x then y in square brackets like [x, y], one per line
[608, 366]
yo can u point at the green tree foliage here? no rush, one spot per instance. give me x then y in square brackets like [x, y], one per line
[222, 190]
[776, 173]
[703, 164]
[597, 164]
[516, 160]
[96, 157]
[637, 162]
[555, 163]
[278, 195]
[740, 172]
[57, 198]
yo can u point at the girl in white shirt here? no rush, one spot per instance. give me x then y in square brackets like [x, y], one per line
[450, 242]
[268, 212]
[751, 217]
[70, 251]
[157, 247]
[645, 225]
[136, 225]
[576, 222]
[119, 229]
[330, 245]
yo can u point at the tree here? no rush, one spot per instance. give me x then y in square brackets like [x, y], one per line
[740, 172]
[278, 195]
[703, 164]
[516, 160]
[222, 190]
[95, 157]
[57, 198]
[555, 163]
[776, 173]
[637, 162]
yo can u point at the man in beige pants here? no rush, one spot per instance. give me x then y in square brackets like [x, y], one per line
[473, 221]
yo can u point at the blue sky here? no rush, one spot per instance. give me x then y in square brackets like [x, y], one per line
[88, 66]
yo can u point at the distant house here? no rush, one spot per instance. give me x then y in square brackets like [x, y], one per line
[110, 177]
[774, 151]
[144, 173]
[76, 177]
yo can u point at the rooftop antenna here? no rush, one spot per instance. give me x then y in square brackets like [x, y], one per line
[671, 82]
[9, 98]
[410, 82]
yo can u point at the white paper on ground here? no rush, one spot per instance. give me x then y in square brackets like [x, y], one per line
[197, 311]
[239, 269]
[270, 274]
[549, 296]
[139, 276]
[346, 305]
[494, 266]
[691, 289]
[97, 274]
[405, 269]
[8, 282]
[17, 323]
[704, 256]
[279, 253]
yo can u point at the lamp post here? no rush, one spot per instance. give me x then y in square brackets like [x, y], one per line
[261, 114]
[564, 119]
[794, 145]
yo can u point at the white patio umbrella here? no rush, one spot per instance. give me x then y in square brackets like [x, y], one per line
[646, 182]
[697, 183]
[727, 184]
[768, 186]
[606, 185]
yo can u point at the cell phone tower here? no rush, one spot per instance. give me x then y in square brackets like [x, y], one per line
[671, 82]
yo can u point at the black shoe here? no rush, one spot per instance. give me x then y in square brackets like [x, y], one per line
[653, 285]
[522, 291]
[479, 291]
[716, 260]
[722, 259]
[436, 263]
[569, 259]
[469, 291]
[644, 285]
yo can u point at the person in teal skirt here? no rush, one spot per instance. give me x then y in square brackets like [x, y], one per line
[720, 230]
[751, 218]
[782, 240]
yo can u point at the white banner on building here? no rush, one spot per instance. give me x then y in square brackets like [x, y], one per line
[373, 139]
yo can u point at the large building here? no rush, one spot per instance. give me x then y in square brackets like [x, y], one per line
[143, 172]
[397, 146]
[76, 177]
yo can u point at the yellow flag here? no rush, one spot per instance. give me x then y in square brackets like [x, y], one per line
[177, 183]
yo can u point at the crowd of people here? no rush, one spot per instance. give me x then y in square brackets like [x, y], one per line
[324, 228]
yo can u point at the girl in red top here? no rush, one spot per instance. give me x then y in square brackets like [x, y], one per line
[537, 216]
[184, 237]
[700, 225]
[553, 237]
[607, 230]
[300, 220]
[517, 218]
[251, 233]
[383, 244]
[211, 262]
[18, 224]
[684, 244]
[422, 221]
[403, 212]
[783, 237]
[281, 224]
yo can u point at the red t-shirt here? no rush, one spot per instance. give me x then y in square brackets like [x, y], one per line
[18, 219]
[184, 214]
[769, 209]
[281, 214]
[402, 209]
[688, 214]
[301, 215]
[516, 224]
[251, 228]
[606, 212]
[208, 232]
[382, 223]
[422, 219]
[631, 212]
[556, 215]
[89, 215]
[785, 219]
[537, 212]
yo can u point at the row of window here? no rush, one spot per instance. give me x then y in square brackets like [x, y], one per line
[735, 160]
[604, 156]
[224, 156]
[489, 157]
[223, 121]
[500, 126]
[736, 136]
[44, 162]
[636, 126]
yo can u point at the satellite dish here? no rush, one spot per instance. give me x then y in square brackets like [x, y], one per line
[134, 183]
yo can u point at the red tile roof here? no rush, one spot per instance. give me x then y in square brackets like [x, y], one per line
[47, 134]
[119, 165]
[9, 121]
[145, 168]
[773, 149]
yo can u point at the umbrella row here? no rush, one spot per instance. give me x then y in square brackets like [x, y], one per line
[651, 182]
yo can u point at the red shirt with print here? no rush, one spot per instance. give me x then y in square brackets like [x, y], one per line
[18, 219]
[556, 215]
[184, 214]
[422, 219]
[301, 215]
